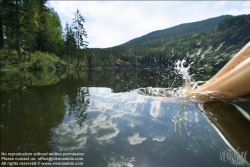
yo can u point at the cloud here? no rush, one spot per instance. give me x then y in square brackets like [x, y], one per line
[246, 4]
[110, 23]
[113, 22]
[239, 11]
[219, 4]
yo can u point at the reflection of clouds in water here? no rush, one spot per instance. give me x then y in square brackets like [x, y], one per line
[159, 138]
[99, 105]
[116, 160]
[196, 119]
[191, 116]
[130, 106]
[136, 139]
[131, 125]
[133, 101]
[99, 91]
[116, 105]
[118, 124]
[155, 108]
[125, 106]
[69, 137]
[103, 127]
[132, 122]
[103, 99]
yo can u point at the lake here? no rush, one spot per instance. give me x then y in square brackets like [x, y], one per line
[117, 118]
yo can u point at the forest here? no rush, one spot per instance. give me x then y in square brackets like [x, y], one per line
[32, 38]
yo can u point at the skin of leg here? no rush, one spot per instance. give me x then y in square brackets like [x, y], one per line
[242, 55]
[231, 85]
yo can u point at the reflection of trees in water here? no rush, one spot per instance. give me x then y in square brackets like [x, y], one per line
[232, 123]
[76, 100]
[29, 113]
[82, 106]
[78, 105]
[27, 116]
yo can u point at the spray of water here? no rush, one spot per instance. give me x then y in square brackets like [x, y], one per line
[184, 72]
[199, 61]
[181, 73]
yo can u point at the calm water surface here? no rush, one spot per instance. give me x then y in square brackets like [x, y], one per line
[109, 118]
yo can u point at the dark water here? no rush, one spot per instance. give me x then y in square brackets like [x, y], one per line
[106, 116]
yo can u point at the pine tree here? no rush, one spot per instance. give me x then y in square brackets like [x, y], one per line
[70, 43]
[49, 37]
[80, 33]
[19, 23]
[29, 24]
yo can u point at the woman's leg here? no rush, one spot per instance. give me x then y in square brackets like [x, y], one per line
[232, 81]
[242, 55]
[231, 85]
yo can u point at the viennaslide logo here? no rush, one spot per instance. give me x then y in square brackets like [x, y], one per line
[235, 157]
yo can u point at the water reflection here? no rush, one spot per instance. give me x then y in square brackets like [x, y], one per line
[129, 129]
[27, 117]
[78, 105]
[230, 123]
[115, 125]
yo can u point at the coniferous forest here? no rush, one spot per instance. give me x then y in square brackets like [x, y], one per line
[32, 38]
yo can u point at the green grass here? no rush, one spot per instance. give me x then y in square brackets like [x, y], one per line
[38, 61]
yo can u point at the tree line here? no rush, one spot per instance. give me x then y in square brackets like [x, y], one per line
[209, 48]
[31, 26]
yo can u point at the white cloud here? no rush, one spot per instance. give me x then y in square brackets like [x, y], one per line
[110, 23]
[246, 4]
[219, 4]
[236, 11]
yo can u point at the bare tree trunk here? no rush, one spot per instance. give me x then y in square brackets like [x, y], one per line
[78, 53]
[29, 53]
[68, 51]
[41, 44]
[24, 56]
[18, 37]
[11, 40]
[1, 30]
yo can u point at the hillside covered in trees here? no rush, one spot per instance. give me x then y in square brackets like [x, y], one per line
[31, 37]
[209, 43]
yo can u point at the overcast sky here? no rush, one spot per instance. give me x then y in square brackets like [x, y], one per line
[111, 23]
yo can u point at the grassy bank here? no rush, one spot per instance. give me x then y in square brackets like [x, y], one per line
[38, 61]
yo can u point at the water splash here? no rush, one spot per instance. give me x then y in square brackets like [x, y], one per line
[179, 72]
[184, 71]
